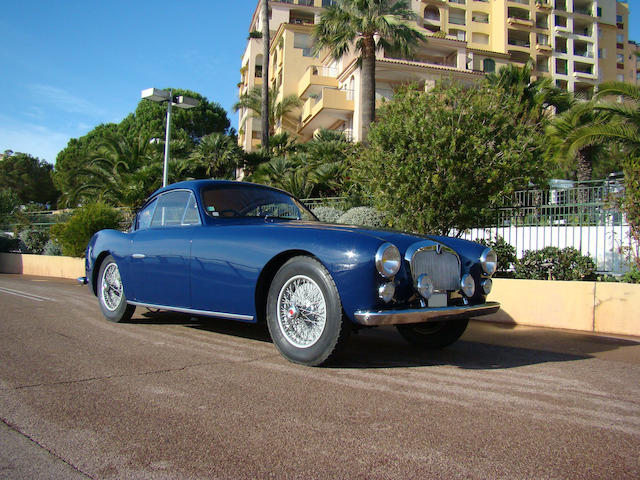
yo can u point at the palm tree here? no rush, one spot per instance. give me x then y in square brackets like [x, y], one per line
[123, 171]
[252, 100]
[216, 156]
[367, 26]
[560, 132]
[536, 96]
[619, 121]
[266, 95]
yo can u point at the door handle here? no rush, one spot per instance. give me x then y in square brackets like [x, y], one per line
[138, 255]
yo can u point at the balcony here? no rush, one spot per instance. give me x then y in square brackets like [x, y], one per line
[522, 22]
[544, 49]
[578, 75]
[330, 106]
[543, 5]
[314, 79]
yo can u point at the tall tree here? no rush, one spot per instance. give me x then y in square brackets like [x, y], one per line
[216, 156]
[28, 177]
[253, 100]
[266, 34]
[367, 26]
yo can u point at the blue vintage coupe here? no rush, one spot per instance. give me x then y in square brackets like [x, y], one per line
[252, 253]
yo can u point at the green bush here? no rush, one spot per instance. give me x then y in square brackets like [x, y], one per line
[364, 216]
[632, 276]
[505, 251]
[52, 248]
[74, 235]
[327, 214]
[34, 240]
[552, 263]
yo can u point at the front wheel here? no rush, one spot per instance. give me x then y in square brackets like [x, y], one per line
[433, 334]
[113, 303]
[304, 313]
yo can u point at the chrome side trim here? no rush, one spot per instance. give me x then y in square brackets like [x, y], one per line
[422, 315]
[82, 280]
[207, 313]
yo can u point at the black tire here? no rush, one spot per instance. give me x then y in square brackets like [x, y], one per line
[304, 313]
[113, 302]
[433, 334]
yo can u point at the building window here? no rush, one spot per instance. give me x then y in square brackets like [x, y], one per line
[459, 34]
[480, 17]
[561, 21]
[620, 57]
[432, 13]
[620, 77]
[457, 17]
[461, 2]
[303, 42]
[489, 65]
[618, 18]
[481, 38]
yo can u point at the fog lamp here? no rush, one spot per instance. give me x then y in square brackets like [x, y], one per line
[424, 286]
[487, 284]
[387, 291]
[468, 285]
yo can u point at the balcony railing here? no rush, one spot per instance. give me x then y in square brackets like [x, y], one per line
[519, 43]
[584, 53]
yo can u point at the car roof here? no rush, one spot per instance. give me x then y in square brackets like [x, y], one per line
[197, 185]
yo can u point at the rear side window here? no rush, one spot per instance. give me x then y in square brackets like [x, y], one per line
[175, 209]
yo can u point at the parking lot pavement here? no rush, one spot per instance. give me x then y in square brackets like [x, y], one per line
[170, 396]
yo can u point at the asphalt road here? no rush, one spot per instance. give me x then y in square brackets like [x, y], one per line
[170, 397]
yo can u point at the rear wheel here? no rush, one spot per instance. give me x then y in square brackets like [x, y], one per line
[433, 334]
[304, 313]
[113, 302]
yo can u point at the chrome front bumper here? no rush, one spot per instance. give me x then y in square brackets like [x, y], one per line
[421, 315]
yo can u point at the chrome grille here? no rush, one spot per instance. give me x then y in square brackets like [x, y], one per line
[443, 268]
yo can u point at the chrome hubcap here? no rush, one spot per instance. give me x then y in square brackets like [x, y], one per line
[111, 287]
[302, 311]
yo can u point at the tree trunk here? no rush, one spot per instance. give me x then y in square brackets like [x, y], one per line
[368, 85]
[265, 74]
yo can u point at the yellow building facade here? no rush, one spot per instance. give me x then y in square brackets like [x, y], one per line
[578, 43]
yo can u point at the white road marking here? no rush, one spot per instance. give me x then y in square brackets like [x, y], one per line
[28, 295]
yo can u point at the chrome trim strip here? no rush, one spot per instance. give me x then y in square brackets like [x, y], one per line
[422, 315]
[232, 316]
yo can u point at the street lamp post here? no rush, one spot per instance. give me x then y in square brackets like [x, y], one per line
[180, 101]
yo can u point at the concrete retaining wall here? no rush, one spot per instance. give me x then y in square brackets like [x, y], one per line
[588, 306]
[41, 265]
[612, 308]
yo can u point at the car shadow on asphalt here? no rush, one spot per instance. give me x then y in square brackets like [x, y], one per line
[484, 345]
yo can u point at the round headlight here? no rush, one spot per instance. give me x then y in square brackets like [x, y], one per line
[387, 291]
[388, 260]
[467, 285]
[487, 284]
[424, 286]
[489, 261]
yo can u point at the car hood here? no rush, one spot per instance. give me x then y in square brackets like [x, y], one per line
[402, 240]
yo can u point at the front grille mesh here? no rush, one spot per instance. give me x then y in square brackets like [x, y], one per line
[443, 268]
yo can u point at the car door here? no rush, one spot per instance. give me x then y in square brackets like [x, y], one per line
[161, 250]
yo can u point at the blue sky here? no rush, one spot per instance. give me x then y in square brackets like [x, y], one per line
[70, 65]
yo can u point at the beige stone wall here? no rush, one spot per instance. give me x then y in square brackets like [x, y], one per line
[612, 308]
[42, 265]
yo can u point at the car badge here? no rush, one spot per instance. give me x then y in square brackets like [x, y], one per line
[438, 249]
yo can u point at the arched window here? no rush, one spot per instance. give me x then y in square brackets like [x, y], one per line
[431, 12]
[489, 65]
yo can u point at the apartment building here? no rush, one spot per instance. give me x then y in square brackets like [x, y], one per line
[578, 43]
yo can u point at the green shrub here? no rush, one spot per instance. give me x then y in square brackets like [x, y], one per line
[9, 244]
[52, 248]
[632, 276]
[364, 216]
[74, 235]
[505, 251]
[552, 263]
[327, 214]
[34, 240]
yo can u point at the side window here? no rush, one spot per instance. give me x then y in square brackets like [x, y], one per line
[191, 215]
[170, 209]
[145, 215]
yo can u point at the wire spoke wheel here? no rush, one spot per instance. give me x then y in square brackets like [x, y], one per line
[111, 287]
[302, 311]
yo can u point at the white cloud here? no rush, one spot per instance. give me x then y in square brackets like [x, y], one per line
[63, 100]
[37, 140]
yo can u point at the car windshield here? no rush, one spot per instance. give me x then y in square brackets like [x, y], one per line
[239, 200]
